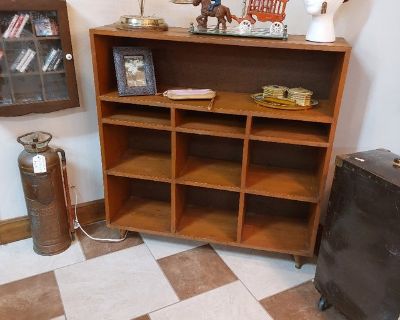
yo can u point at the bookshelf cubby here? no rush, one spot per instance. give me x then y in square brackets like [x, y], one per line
[37, 72]
[238, 174]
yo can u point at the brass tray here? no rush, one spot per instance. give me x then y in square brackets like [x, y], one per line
[259, 99]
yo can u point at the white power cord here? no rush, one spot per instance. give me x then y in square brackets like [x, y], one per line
[77, 225]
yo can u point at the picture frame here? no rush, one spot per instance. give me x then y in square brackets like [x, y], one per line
[134, 71]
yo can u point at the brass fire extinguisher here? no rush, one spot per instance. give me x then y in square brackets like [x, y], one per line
[45, 183]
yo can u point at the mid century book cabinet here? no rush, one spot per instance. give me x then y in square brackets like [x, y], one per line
[37, 72]
[240, 174]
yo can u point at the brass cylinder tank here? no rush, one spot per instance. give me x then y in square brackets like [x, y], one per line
[45, 185]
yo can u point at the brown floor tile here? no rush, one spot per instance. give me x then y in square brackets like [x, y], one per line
[99, 229]
[196, 271]
[36, 298]
[145, 317]
[299, 303]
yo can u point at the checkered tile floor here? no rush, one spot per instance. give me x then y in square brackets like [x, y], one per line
[154, 278]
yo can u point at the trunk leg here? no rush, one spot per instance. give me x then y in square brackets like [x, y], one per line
[298, 261]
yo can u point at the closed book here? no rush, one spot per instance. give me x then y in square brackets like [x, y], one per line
[28, 61]
[43, 26]
[22, 62]
[10, 26]
[57, 64]
[54, 28]
[54, 61]
[48, 60]
[22, 26]
[17, 25]
[18, 60]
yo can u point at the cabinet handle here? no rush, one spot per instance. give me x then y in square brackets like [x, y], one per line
[68, 56]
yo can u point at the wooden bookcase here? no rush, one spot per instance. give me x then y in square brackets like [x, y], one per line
[241, 174]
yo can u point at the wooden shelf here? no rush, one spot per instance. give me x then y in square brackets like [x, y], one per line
[35, 73]
[23, 39]
[216, 125]
[144, 214]
[239, 174]
[230, 103]
[139, 118]
[282, 131]
[208, 223]
[282, 183]
[294, 42]
[211, 173]
[276, 233]
[143, 165]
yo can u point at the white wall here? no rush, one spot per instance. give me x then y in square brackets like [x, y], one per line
[370, 112]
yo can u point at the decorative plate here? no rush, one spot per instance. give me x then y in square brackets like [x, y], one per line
[259, 99]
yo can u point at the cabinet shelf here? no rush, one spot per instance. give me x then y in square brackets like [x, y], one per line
[230, 103]
[276, 233]
[216, 125]
[292, 132]
[35, 73]
[211, 173]
[144, 214]
[143, 165]
[285, 183]
[22, 39]
[140, 118]
[208, 223]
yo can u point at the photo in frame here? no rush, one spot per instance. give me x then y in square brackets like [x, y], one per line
[135, 71]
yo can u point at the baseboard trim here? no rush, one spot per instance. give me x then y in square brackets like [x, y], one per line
[16, 229]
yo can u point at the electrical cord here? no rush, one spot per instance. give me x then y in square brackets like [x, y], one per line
[77, 225]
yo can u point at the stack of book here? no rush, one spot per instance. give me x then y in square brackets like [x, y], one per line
[53, 60]
[274, 91]
[45, 26]
[16, 26]
[301, 96]
[23, 60]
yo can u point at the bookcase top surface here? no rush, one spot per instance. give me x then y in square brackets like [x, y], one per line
[296, 42]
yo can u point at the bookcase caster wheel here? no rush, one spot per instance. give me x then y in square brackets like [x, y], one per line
[298, 262]
[323, 304]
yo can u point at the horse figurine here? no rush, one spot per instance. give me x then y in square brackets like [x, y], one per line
[209, 10]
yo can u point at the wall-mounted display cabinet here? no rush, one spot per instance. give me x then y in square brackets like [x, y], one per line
[37, 72]
[239, 174]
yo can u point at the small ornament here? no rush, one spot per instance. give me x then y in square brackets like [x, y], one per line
[212, 8]
[301, 96]
[322, 28]
[132, 22]
[268, 10]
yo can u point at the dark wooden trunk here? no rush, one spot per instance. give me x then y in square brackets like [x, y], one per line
[359, 262]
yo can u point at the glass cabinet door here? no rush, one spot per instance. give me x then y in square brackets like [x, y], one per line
[33, 62]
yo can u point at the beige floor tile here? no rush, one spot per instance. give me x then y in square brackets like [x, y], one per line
[229, 302]
[36, 298]
[18, 260]
[99, 229]
[265, 274]
[120, 285]
[196, 271]
[162, 247]
[299, 303]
